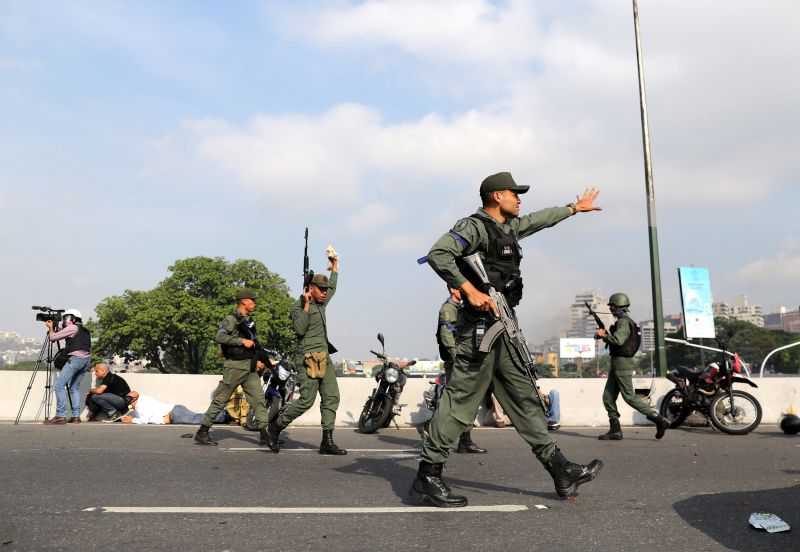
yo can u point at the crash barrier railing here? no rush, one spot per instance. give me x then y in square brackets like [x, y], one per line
[696, 346]
[764, 362]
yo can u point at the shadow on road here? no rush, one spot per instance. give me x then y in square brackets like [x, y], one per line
[724, 517]
[400, 478]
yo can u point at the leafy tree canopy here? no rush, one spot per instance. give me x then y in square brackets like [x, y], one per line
[752, 342]
[172, 325]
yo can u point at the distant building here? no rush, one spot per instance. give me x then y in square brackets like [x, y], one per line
[649, 332]
[581, 323]
[739, 309]
[783, 319]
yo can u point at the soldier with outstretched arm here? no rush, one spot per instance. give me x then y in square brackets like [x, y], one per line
[492, 232]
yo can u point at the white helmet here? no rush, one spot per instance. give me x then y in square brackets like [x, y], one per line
[74, 313]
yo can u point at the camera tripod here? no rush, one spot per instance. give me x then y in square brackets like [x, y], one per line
[45, 358]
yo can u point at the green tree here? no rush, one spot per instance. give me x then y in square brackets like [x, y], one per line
[173, 324]
[752, 342]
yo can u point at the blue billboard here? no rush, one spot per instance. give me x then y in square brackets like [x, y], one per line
[698, 315]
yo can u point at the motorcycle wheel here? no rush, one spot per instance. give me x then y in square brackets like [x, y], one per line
[375, 413]
[674, 408]
[745, 417]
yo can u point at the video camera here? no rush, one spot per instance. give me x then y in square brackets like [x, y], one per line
[48, 313]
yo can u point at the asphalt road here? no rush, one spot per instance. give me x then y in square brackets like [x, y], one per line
[72, 487]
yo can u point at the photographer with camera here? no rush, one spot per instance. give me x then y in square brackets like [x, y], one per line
[78, 348]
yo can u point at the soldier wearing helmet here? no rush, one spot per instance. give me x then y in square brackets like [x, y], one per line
[243, 364]
[623, 340]
[78, 349]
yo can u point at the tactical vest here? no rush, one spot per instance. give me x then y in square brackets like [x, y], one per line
[501, 261]
[245, 329]
[631, 345]
[81, 341]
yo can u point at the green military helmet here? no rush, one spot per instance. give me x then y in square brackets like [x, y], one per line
[619, 300]
[245, 293]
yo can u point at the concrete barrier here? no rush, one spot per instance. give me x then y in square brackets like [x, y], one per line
[581, 398]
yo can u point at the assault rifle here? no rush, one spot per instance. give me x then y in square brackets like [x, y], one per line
[307, 274]
[598, 321]
[506, 322]
[600, 325]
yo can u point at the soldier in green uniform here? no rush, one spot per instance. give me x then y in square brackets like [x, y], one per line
[317, 374]
[237, 337]
[622, 345]
[493, 232]
[446, 338]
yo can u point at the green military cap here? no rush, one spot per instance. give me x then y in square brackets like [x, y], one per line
[501, 181]
[245, 293]
[320, 280]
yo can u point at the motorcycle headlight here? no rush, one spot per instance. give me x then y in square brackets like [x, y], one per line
[392, 375]
[282, 373]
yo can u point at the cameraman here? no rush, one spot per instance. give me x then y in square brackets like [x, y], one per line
[78, 348]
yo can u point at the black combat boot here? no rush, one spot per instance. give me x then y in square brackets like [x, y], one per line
[568, 476]
[272, 433]
[465, 444]
[614, 434]
[661, 423]
[264, 440]
[429, 487]
[327, 446]
[203, 438]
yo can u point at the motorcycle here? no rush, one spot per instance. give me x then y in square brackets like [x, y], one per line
[280, 387]
[380, 410]
[711, 393]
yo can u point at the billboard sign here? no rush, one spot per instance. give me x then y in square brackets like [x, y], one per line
[698, 314]
[576, 347]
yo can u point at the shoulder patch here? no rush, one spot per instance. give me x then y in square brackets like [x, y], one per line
[294, 316]
[461, 225]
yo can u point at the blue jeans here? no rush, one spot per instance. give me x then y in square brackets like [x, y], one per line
[109, 402]
[71, 375]
[182, 415]
[554, 410]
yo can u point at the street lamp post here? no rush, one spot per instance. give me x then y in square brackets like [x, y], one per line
[655, 269]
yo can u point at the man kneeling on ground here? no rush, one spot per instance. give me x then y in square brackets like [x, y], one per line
[107, 395]
[147, 410]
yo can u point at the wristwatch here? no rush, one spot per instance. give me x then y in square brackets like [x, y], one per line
[573, 207]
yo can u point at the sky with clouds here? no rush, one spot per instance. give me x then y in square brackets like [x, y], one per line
[137, 133]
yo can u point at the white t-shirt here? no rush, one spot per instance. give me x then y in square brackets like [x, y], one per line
[150, 411]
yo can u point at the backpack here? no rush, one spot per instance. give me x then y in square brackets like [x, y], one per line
[634, 341]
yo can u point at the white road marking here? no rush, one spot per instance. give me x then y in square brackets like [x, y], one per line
[262, 449]
[266, 510]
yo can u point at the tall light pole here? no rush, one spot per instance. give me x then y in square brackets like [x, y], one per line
[655, 268]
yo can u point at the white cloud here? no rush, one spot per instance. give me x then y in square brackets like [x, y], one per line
[468, 32]
[8, 63]
[348, 154]
[372, 218]
[782, 269]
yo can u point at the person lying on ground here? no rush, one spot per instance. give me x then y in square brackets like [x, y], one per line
[147, 410]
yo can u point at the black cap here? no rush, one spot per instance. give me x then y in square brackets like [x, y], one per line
[501, 181]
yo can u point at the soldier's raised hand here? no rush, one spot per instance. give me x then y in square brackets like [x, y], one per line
[586, 203]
